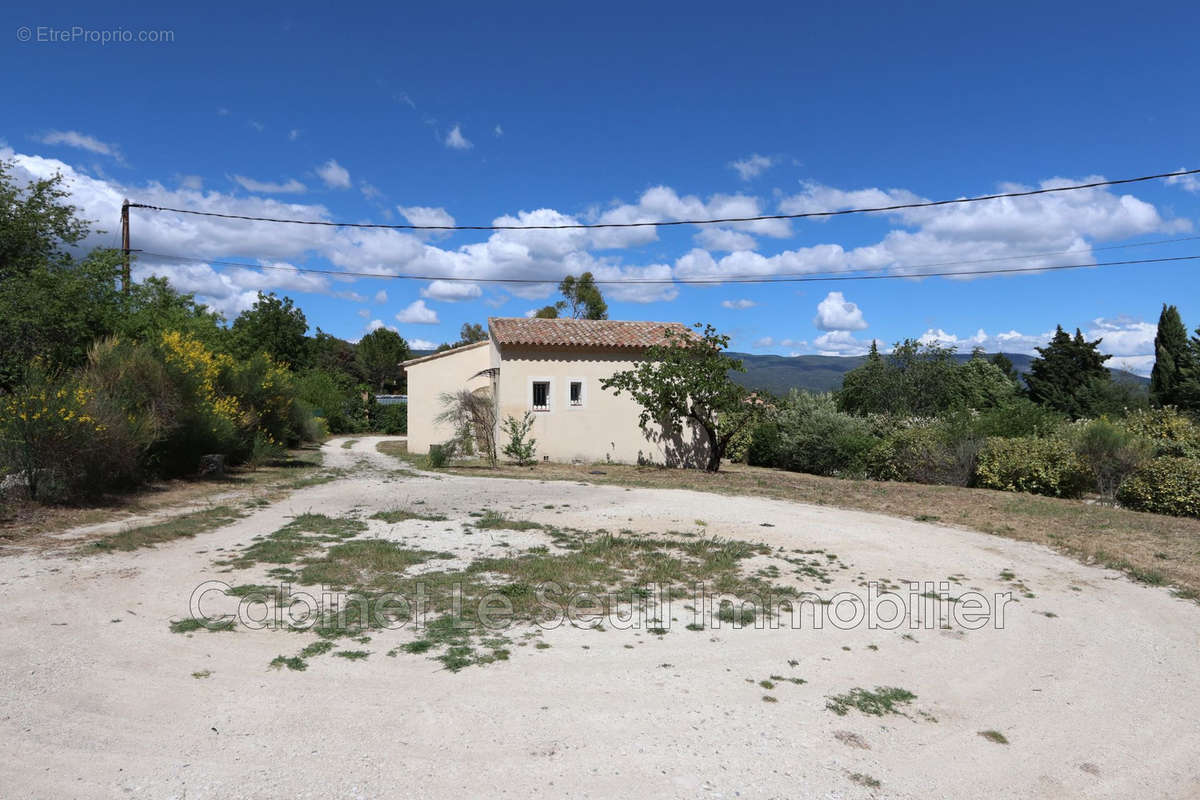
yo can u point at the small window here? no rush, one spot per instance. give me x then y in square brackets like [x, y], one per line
[576, 393]
[541, 395]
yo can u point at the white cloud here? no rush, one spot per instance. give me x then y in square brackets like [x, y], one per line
[293, 134]
[424, 215]
[82, 141]
[451, 291]
[738, 304]
[456, 141]
[258, 126]
[381, 296]
[840, 343]
[369, 191]
[421, 344]
[376, 324]
[836, 313]
[752, 166]
[417, 313]
[334, 175]
[662, 203]
[193, 182]
[498, 131]
[364, 312]
[1190, 183]
[723, 239]
[291, 186]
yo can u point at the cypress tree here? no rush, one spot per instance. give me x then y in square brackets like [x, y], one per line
[1173, 359]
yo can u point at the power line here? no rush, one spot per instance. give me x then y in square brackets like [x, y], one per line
[809, 278]
[666, 223]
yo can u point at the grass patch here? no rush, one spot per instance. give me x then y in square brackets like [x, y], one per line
[317, 648]
[1152, 548]
[494, 520]
[201, 674]
[346, 445]
[403, 515]
[862, 779]
[190, 625]
[884, 700]
[299, 537]
[374, 560]
[994, 736]
[184, 526]
[294, 663]
[352, 655]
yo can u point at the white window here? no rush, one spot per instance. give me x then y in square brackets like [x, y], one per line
[541, 395]
[576, 391]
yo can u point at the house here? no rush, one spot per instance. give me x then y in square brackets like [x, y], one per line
[553, 368]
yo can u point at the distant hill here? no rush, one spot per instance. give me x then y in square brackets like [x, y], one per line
[778, 374]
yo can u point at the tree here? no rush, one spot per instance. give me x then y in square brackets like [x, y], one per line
[471, 332]
[1005, 365]
[53, 305]
[275, 326]
[37, 226]
[688, 379]
[923, 380]
[1174, 375]
[581, 300]
[379, 355]
[1068, 374]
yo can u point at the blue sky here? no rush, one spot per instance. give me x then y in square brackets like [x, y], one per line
[546, 113]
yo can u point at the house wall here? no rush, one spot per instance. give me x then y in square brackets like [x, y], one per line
[604, 428]
[427, 380]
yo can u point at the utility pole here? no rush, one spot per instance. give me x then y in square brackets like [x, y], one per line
[125, 246]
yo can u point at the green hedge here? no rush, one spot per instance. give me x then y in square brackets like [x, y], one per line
[392, 419]
[1028, 464]
[1166, 485]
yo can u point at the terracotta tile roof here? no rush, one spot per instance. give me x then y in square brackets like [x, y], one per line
[599, 333]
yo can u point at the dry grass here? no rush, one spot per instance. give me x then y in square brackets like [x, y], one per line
[22, 522]
[1151, 548]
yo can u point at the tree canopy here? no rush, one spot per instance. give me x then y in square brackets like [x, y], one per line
[1069, 374]
[922, 380]
[379, 355]
[582, 299]
[688, 380]
[273, 325]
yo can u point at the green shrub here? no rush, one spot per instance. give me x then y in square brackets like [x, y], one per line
[936, 452]
[438, 457]
[1165, 485]
[1019, 416]
[335, 397]
[392, 419]
[520, 448]
[1111, 453]
[1171, 432]
[1027, 464]
[68, 440]
[806, 433]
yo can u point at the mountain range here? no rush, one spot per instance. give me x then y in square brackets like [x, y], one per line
[778, 374]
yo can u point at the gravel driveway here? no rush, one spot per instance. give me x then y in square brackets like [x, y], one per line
[1094, 681]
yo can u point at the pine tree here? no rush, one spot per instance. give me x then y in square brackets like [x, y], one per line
[1173, 359]
[1066, 372]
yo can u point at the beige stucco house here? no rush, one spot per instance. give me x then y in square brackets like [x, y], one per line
[552, 368]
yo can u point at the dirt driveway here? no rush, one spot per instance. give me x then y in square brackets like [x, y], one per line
[1093, 682]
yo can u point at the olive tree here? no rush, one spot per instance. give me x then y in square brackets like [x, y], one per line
[687, 380]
